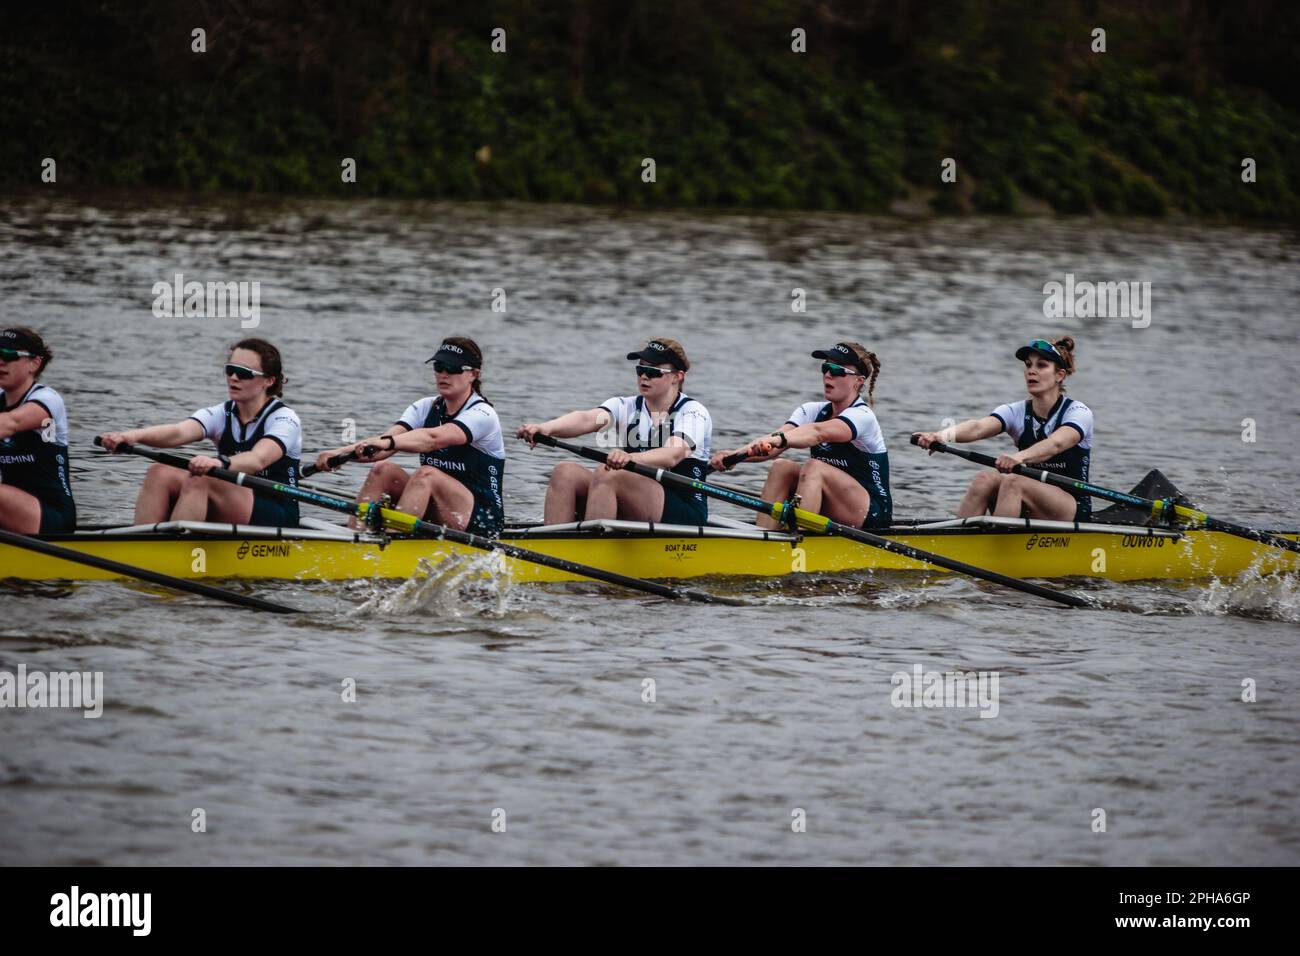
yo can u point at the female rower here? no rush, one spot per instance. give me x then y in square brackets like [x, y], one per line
[660, 427]
[255, 433]
[1051, 431]
[35, 489]
[847, 476]
[458, 437]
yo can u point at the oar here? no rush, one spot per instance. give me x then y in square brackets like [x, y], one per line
[402, 521]
[1162, 509]
[308, 470]
[731, 461]
[782, 511]
[143, 574]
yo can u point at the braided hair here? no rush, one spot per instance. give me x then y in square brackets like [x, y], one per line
[871, 366]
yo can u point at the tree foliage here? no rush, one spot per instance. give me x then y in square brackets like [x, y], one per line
[586, 90]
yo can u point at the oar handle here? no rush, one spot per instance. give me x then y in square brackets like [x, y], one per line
[334, 462]
[1037, 474]
[178, 461]
[591, 454]
[731, 461]
[975, 456]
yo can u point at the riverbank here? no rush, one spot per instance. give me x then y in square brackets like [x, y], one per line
[572, 104]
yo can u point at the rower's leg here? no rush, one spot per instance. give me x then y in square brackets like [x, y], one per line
[837, 494]
[982, 495]
[812, 484]
[782, 479]
[20, 511]
[566, 495]
[433, 494]
[385, 478]
[210, 499]
[1019, 494]
[621, 494]
[162, 486]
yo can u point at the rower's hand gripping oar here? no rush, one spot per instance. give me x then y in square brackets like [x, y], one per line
[782, 512]
[341, 459]
[410, 524]
[1162, 510]
[335, 462]
[731, 461]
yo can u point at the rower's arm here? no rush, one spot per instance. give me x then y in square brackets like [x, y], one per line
[1060, 440]
[27, 417]
[166, 436]
[673, 452]
[394, 429]
[772, 442]
[581, 422]
[423, 440]
[262, 455]
[974, 429]
[814, 433]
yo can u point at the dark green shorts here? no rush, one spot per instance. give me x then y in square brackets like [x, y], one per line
[273, 513]
[58, 518]
[877, 519]
[486, 521]
[682, 509]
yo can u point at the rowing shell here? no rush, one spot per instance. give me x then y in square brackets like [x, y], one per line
[1024, 549]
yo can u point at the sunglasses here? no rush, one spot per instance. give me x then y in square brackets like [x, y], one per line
[649, 371]
[837, 371]
[446, 368]
[1042, 345]
[242, 373]
[13, 355]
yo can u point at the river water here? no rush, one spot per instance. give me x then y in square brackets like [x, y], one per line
[478, 702]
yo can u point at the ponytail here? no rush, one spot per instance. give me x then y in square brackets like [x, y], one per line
[1065, 346]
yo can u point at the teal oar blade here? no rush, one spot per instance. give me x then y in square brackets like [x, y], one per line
[402, 521]
[811, 521]
[1161, 509]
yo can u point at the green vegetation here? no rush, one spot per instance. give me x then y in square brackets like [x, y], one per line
[413, 92]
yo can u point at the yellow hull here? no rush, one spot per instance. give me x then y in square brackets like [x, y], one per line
[1024, 554]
